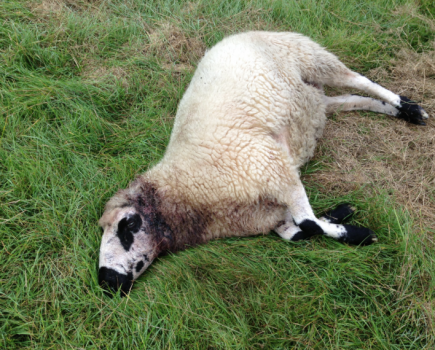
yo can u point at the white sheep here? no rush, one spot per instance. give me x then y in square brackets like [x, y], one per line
[247, 122]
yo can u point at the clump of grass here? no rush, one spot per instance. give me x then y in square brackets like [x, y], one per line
[88, 91]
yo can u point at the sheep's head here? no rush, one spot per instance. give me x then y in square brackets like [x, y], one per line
[139, 223]
[127, 248]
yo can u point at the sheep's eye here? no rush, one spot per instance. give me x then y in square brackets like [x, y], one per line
[131, 223]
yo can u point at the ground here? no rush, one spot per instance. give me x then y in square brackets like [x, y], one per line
[88, 93]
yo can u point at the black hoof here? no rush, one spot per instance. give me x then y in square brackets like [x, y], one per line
[411, 111]
[358, 235]
[341, 213]
[301, 235]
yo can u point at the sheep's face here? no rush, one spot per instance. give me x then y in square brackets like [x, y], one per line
[127, 249]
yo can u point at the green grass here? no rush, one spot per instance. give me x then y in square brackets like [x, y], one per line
[73, 131]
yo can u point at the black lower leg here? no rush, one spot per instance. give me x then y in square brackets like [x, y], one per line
[309, 229]
[358, 235]
[410, 111]
[341, 213]
[301, 235]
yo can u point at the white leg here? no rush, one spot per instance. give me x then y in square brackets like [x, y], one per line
[357, 81]
[353, 103]
[288, 229]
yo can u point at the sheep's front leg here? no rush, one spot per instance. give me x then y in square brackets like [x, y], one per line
[289, 231]
[341, 213]
[307, 223]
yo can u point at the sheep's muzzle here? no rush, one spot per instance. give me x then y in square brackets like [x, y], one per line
[112, 281]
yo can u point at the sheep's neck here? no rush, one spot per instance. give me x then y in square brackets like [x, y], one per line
[173, 223]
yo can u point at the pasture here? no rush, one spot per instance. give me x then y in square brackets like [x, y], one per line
[88, 93]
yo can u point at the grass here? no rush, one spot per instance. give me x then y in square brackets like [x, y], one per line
[88, 91]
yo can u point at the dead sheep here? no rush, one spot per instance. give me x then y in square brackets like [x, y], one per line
[247, 122]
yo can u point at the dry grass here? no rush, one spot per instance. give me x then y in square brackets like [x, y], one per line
[388, 153]
[98, 73]
[48, 8]
[413, 11]
[53, 8]
[174, 48]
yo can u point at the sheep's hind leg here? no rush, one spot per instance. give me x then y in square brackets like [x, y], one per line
[330, 71]
[354, 103]
[303, 218]
[406, 109]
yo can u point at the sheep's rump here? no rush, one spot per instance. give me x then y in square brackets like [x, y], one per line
[245, 91]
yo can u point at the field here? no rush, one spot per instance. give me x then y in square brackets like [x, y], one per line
[88, 94]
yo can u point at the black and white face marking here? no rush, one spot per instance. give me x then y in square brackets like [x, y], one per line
[127, 249]
[127, 227]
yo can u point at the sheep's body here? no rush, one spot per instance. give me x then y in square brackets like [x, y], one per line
[249, 119]
[229, 144]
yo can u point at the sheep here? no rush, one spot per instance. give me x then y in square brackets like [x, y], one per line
[248, 121]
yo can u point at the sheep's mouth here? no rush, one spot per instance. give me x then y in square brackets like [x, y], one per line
[111, 281]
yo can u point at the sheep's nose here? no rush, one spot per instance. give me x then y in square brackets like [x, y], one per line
[112, 280]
